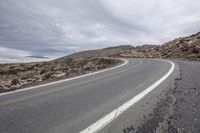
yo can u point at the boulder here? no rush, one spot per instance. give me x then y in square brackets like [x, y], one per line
[14, 82]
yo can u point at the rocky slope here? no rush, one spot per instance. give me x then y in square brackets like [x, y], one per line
[186, 47]
[16, 76]
[181, 48]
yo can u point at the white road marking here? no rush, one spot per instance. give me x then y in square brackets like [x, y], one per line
[97, 126]
[60, 81]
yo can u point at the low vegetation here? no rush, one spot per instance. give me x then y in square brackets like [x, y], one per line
[19, 75]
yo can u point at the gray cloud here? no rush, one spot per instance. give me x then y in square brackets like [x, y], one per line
[55, 28]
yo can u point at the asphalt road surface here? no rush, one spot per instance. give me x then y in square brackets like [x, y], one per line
[73, 106]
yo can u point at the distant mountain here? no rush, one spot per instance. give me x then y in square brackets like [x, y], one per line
[105, 52]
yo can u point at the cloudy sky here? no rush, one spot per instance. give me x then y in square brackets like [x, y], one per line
[54, 28]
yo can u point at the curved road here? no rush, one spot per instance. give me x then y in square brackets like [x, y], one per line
[73, 106]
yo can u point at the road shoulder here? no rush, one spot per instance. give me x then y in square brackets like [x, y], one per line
[178, 111]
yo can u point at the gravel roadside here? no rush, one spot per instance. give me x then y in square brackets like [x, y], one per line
[179, 111]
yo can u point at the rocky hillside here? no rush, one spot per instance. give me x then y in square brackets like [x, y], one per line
[16, 76]
[186, 47]
[181, 48]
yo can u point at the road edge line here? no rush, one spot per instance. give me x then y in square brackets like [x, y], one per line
[104, 121]
[68, 79]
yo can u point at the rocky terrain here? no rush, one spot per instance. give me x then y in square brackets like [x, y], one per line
[19, 75]
[180, 48]
[187, 48]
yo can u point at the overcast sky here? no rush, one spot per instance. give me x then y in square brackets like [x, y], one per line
[54, 28]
